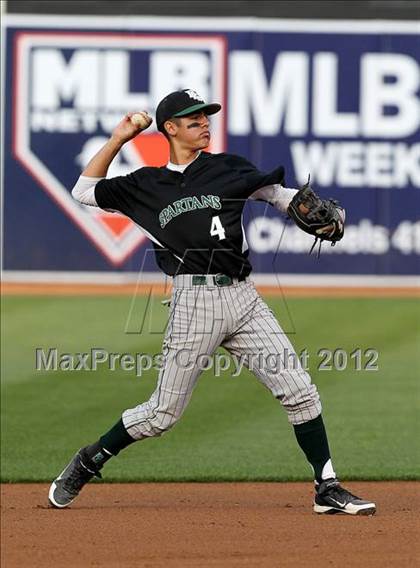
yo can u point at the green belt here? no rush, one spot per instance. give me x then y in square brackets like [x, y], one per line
[217, 280]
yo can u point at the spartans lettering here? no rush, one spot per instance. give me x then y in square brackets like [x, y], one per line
[188, 204]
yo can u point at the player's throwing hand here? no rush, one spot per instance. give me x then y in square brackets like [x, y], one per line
[132, 124]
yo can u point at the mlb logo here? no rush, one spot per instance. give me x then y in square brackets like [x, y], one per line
[72, 89]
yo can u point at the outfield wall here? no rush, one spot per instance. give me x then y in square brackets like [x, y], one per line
[336, 99]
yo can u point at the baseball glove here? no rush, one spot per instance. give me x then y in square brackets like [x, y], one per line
[322, 218]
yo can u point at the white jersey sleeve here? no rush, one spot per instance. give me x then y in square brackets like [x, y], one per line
[277, 195]
[84, 190]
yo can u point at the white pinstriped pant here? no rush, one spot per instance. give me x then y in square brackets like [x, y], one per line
[201, 319]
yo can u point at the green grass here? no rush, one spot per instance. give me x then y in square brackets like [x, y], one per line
[233, 429]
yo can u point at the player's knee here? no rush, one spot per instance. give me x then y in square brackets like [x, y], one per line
[162, 421]
[151, 423]
[301, 405]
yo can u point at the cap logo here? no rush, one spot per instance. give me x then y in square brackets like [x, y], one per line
[194, 95]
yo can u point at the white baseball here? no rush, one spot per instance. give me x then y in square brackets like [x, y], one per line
[141, 120]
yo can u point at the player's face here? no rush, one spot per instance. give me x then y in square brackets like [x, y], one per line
[193, 131]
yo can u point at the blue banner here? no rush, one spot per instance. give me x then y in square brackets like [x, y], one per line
[339, 102]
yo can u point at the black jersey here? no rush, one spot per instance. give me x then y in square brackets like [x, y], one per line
[194, 218]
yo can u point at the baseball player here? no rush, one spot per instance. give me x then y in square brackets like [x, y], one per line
[191, 209]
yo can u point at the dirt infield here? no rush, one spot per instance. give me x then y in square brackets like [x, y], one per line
[222, 525]
[61, 289]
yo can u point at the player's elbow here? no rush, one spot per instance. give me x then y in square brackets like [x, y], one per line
[76, 193]
[84, 191]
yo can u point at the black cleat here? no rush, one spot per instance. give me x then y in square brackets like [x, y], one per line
[67, 486]
[331, 498]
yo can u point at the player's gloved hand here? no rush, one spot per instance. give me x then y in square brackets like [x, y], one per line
[131, 125]
[322, 218]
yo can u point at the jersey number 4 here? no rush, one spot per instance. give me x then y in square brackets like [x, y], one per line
[216, 229]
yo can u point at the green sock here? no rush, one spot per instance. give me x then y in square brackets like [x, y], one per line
[312, 438]
[116, 439]
[109, 445]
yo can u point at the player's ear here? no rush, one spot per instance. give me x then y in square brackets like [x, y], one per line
[171, 127]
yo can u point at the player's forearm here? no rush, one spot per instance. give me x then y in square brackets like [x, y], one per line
[277, 195]
[282, 198]
[99, 164]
